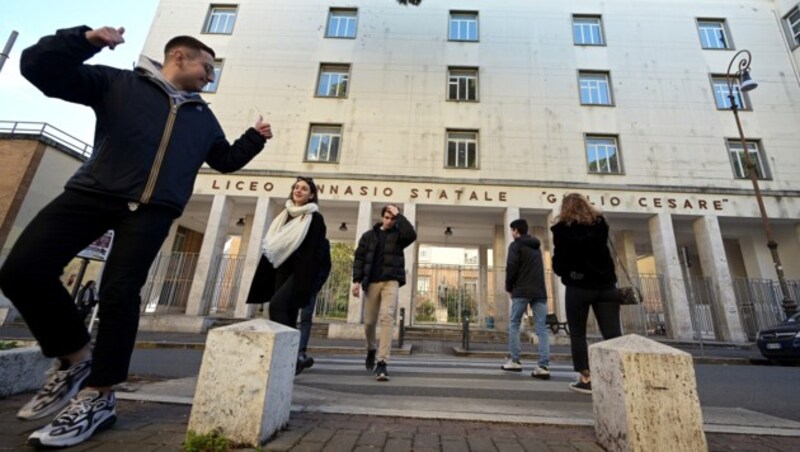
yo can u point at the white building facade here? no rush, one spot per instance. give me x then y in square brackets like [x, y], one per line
[469, 114]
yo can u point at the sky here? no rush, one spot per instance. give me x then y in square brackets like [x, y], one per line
[21, 101]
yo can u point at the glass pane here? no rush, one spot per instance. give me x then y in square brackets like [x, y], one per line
[473, 31]
[324, 146]
[453, 91]
[461, 158]
[462, 88]
[471, 154]
[313, 148]
[596, 35]
[451, 153]
[322, 89]
[351, 28]
[473, 89]
[334, 154]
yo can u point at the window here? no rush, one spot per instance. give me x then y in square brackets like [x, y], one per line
[333, 81]
[793, 26]
[463, 26]
[722, 95]
[342, 23]
[462, 84]
[423, 284]
[212, 87]
[587, 30]
[713, 34]
[323, 144]
[220, 20]
[602, 155]
[462, 149]
[595, 89]
[738, 158]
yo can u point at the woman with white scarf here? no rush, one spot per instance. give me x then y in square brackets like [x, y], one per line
[287, 270]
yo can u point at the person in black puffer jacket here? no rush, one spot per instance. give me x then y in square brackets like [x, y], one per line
[153, 134]
[379, 270]
[582, 259]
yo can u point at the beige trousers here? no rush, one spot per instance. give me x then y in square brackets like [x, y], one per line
[380, 307]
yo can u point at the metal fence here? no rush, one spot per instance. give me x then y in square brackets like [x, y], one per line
[444, 292]
[222, 287]
[333, 299]
[648, 318]
[702, 307]
[759, 302]
[168, 283]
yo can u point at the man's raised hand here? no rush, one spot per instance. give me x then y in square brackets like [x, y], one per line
[263, 128]
[106, 37]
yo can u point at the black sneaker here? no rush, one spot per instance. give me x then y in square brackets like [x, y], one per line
[370, 362]
[581, 387]
[308, 362]
[89, 412]
[381, 374]
[63, 382]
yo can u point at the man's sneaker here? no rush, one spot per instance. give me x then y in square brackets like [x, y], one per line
[307, 362]
[580, 386]
[512, 366]
[381, 374]
[541, 372]
[63, 382]
[370, 362]
[89, 412]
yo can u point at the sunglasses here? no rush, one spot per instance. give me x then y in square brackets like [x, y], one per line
[209, 68]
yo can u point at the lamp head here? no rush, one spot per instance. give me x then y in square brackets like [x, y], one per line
[240, 222]
[343, 227]
[746, 83]
[448, 232]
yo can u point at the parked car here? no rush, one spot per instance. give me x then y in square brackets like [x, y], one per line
[781, 342]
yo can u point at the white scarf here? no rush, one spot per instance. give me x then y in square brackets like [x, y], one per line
[282, 238]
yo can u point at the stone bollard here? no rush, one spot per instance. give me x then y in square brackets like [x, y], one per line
[645, 397]
[244, 390]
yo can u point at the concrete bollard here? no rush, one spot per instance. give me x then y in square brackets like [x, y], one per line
[644, 396]
[244, 390]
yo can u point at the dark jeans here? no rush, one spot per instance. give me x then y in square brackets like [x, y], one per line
[306, 316]
[30, 276]
[606, 310]
[282, 308]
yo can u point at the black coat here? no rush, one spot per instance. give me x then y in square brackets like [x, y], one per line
[145, 148]
[581, 256]
[398, 238]
[525, 268]
[303, 264]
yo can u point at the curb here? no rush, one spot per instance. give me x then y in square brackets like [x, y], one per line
[320, 349]
[458, 351]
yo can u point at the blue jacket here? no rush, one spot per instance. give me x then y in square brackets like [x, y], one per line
[147, 149]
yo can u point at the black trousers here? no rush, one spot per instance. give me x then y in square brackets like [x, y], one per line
[30, 276]
[606, 310]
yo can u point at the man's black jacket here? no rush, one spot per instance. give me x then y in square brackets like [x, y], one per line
[525, 268]
[398, 237]
[147, 149]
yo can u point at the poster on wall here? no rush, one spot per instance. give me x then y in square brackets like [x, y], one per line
[99, 249]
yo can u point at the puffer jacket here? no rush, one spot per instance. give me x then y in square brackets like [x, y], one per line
[581, 256]
[398, 238]
[147, 149]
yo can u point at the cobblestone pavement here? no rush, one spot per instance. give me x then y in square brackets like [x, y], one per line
[147, 426]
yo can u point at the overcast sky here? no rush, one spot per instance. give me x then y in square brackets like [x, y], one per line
[19, 100]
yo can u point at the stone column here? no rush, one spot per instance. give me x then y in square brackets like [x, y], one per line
[355, 308]
[257, 227]
[213, 241]
[715, 265]
[406, 293]
[503, 303]
[665, 251]
[626, 251]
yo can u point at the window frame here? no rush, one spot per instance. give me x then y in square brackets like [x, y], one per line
[475, 140]
[474, 14]
[311, 133]
[600, 26]
[725, 30]
[587, 137]
[744, 99]
[792, 35]
[464, 70]
[321, 72]
[761, 158]
[331, 12]
[609, 88]
[219, 63]
[210, 15]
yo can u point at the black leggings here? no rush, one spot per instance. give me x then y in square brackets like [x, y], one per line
[606, 310]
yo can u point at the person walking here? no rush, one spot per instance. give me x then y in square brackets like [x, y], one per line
[582, 259]
[153, 134]
[525, 285]
[323, 257]
[87, 299]
[379, 270]
[288, 269]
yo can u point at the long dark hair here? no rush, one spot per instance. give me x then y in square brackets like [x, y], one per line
[575, 208]
[311, 185]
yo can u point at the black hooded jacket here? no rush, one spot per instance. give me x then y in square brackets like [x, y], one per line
[581, 256]
[525, 269]
[397, 239]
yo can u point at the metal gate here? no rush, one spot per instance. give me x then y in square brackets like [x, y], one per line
[444, 292]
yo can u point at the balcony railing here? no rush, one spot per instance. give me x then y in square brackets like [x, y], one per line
[44, 130]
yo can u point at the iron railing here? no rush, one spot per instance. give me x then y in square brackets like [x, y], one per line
[168, 283]
[42, 129]
[759, 303]
[222, 287]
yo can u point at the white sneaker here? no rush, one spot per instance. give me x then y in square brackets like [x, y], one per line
[89, 412]
[512, 366]
[541, 372]
[61, 387]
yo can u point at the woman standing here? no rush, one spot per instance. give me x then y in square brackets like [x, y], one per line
[582, 259]
[286, 273]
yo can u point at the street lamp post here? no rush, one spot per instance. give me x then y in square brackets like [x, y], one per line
[742, 75]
